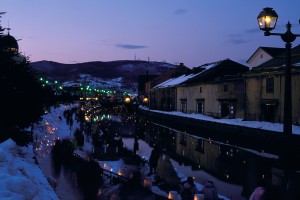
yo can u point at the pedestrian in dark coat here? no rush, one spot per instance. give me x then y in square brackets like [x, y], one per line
[80, 141]
[153, 160]
[210, 191]
[259, 192]
[189, 189]
[57, 158]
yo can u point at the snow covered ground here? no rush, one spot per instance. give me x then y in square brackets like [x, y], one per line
[21, 178]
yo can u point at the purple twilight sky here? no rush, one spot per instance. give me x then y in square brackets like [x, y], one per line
[194, 32]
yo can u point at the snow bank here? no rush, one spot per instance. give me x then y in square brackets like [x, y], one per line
[277, 127]
[21, 178]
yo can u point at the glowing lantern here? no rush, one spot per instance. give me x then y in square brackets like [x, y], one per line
[147, 182]
[119, 172]
[173, 195]
[145, 100]
[199, 197]
[127, 100]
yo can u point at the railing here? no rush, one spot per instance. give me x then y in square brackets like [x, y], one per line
[117, 178]
[114, 176]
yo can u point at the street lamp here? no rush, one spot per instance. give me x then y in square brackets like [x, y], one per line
[267, 21]
[136, 142]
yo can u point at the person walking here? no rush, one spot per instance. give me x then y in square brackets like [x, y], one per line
[259, 192]
[188, 189]
[210, 191]
[153, 160]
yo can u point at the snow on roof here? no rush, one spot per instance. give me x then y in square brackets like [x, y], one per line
[175, 81]
[209, 66]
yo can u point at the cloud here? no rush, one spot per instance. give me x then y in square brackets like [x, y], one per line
[130, 46]
[180, 12]
[253, 30]
[235, 35]
[237, 39]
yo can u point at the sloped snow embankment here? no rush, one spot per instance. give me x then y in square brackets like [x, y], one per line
[21, 178]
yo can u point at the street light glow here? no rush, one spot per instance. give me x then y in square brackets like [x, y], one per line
[267, 19]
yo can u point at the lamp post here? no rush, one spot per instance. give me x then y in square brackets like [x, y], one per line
[136, 142]
[267, 21]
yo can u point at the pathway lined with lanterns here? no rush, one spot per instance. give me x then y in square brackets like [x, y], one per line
[54, 127]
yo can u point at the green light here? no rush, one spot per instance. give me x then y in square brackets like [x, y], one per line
[60, 87]
[55, 82]
[81, 88]
[47, 82]
[41, 79]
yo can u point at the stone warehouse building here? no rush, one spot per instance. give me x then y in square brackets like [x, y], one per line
[265, 89]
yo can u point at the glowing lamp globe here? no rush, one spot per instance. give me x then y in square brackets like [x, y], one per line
[267, 19]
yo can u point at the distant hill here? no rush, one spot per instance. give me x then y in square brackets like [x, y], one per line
[126, 72]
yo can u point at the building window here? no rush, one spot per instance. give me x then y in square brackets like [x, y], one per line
[270, 85]
[200, 146]
[225, 88]
[183, 105]
[200, 106]
[261, 55]
[183, 139]
[200, 90]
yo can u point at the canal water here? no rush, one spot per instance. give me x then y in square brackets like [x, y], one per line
[235, 170]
